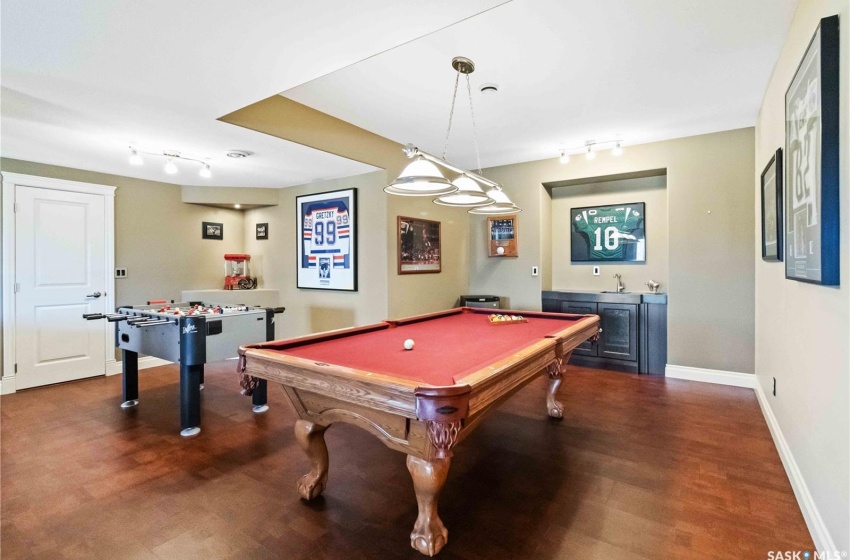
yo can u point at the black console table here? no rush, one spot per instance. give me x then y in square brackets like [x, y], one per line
[634, 328]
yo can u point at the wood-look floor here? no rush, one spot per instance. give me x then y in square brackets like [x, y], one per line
[638, 468]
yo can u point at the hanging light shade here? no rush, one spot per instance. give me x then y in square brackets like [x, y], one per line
[468, 194]
[501, 205]
[421, 178]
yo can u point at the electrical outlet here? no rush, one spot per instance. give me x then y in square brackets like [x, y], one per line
[534, 271]
[596, 271]
[120, 273]
[774, 386]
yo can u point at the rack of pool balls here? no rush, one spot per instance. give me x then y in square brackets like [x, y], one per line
[498, 319]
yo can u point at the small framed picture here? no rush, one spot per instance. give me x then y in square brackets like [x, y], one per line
[263, 231]
[418, 246]
[212, 230]
[502, 236]
[771, 209]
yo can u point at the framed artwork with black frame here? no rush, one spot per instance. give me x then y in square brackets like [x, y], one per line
[418, 246]
[327, 240]
[811, 162]
[771, 209]
[609, 233]
[263, 231]
[212, 230]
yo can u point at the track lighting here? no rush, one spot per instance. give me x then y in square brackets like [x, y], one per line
[590, 147]
[171, 158]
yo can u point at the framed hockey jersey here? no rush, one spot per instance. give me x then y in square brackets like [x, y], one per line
[327, 240]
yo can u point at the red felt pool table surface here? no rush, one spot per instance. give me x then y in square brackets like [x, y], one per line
[447, 348]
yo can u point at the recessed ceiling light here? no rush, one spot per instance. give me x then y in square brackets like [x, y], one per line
[238, 154]
[489, 88]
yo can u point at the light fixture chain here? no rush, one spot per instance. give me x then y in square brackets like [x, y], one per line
[474, 128]
[451, 116]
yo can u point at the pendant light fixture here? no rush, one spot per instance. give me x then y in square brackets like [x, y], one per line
[423, 177]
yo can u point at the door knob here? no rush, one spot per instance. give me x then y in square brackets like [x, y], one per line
[95, 295]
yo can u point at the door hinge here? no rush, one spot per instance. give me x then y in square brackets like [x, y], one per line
[16, 368]
[15, 207]
[17, 287]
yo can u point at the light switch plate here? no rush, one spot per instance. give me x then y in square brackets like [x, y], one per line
[120, 273]
[596, 271]
[534, 271]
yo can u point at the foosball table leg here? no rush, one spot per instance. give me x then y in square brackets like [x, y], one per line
[259, 398]
[130, 378]
[190, 399]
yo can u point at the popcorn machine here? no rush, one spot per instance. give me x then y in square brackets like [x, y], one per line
[237, 273]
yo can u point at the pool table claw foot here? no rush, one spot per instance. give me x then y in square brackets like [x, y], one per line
[311, 438]
[553, 407]
[429, 534]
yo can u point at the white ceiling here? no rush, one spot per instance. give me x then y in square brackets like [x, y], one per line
[568, 71]
[83, 79]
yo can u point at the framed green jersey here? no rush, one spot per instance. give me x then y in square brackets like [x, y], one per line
[612, 233]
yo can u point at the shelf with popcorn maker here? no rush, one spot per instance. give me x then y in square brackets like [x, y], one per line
[237, 272]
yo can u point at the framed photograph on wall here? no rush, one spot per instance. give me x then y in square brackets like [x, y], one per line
[811, 162]
[212, 230]
[327, 240]
[502, 232]
[263, 231]
[418, 246]
[771, 209]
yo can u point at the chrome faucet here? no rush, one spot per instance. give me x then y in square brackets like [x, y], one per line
[620, 286]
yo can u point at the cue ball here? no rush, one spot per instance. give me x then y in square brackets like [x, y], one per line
[408, 344]
[500, 250]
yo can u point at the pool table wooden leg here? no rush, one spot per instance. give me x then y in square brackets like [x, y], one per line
[556, 372]
[429, 534]
[311, 437]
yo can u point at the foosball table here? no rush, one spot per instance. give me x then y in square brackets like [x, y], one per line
[191, 335]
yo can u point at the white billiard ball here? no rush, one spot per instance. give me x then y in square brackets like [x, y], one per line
[408, 344]
[500, 250]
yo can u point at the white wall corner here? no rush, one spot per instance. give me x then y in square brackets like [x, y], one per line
[719, 377]
[817, 528]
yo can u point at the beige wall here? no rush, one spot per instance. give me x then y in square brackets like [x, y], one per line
[802, 330]
[414, 294]
[650, 190]
[710, 228]
[309, 311]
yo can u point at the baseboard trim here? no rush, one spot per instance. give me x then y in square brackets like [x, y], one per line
[113, 367]
[718, 377]
[814, 521]
[8, 385]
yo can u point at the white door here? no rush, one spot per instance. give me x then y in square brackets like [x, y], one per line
[60, 274]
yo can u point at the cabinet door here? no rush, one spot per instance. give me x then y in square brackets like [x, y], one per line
[586, 348]
[618, 338]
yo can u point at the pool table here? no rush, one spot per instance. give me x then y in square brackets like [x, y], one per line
[422, 402]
